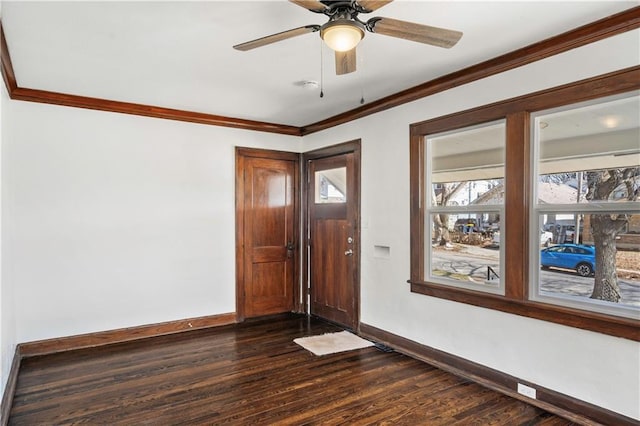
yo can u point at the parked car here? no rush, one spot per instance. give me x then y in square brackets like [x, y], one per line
[466, 225]
[545, 238]
[570, 234]
[495, 239]
[578, 257]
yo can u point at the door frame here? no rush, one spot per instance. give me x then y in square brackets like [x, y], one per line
[240, 155]
[353, 146]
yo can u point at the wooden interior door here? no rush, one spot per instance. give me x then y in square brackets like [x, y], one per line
[333, 237]
[267, 223]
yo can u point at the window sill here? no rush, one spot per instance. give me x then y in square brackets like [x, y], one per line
[615, 326]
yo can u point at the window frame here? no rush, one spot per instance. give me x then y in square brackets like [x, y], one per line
[582, 208]
[517, 202]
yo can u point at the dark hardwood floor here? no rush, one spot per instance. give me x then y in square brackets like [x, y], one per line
[252, 373]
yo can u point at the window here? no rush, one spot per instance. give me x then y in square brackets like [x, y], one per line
[331, 186]
[465, 171]
[518, 218]
[587, 183]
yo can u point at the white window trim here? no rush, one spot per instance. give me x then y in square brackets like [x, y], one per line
[495, 286]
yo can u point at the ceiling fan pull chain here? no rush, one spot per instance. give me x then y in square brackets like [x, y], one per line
[360, 78]
[321, 71]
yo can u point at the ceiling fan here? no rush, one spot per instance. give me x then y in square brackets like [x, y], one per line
[344, 30]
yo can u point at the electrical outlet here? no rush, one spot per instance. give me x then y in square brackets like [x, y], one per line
[526, 391]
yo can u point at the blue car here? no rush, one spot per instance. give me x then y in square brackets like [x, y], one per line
[578, 257]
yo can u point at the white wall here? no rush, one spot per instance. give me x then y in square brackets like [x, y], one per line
[7, 317]
[593, 367]
[115, 220]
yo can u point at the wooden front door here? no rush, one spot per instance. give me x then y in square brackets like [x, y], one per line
[266, 232]
[333, 215]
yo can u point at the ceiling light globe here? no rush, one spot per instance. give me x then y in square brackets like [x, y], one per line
[342, 36]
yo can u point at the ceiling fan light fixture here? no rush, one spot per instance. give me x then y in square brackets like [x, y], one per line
[342, 35]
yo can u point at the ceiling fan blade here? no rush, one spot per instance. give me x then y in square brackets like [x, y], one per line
[371, 5]
[346, 61]
[312, 5]
[435, 36]
[276, 37]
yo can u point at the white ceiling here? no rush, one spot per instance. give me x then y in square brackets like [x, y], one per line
[179, 54]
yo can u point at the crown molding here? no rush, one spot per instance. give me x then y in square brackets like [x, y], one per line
[6, 66]
[607, 27]
[43, 96]
[64, 99]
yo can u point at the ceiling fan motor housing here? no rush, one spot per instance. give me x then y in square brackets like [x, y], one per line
[342, 35]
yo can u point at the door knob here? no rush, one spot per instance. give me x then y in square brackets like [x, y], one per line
[348, 252]
[290, 248]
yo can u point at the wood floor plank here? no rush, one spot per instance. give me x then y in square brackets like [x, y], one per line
[252, 373]
[328, 397]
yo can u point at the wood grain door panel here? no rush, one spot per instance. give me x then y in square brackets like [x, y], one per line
[267, 232]
[268, 291]
[333, 293]
[333, 238]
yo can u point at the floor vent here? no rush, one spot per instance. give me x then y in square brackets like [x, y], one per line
[383, 348]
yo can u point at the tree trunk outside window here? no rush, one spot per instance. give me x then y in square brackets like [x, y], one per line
[606, 227]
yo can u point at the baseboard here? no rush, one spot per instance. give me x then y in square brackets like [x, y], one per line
[557, 403]
[48, 346]
[10, 388]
